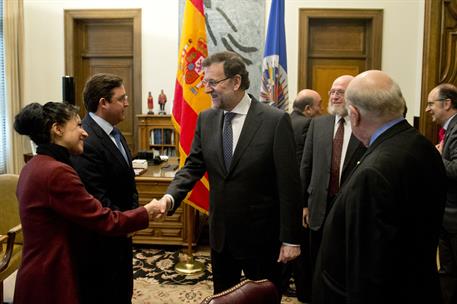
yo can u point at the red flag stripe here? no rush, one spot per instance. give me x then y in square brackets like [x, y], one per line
[199, 197]
[190, 98]
[198, 5]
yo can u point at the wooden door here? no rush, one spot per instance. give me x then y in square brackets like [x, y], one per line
[440, 56]
[337, 42]
[106, 41]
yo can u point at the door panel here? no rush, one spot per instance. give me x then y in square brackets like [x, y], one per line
[325, 71]
[335, 43]
[337, 37]
[107, 37]
[106, 41]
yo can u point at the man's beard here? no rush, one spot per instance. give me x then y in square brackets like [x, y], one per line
[340, 110]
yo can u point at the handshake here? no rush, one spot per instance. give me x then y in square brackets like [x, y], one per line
[157, 209]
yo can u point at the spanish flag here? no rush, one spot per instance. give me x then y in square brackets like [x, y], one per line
[190, 98]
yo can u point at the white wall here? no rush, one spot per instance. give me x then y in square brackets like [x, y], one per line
[44, 45]
[44, 35]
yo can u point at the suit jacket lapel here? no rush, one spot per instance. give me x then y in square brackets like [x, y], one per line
[327, 136]
[450, 130]
[106, 141]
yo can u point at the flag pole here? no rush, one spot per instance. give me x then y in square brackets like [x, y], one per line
[190, 266]
[190, 99]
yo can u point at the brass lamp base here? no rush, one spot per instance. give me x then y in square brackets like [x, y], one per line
[189, 267]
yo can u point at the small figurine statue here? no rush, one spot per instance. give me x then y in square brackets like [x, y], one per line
[162, 100]
[150, 104]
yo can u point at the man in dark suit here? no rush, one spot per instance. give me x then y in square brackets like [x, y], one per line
[254, 212]
[324, 167]
[442, 105]
[380, 237]
[106, 171]
[306, 105]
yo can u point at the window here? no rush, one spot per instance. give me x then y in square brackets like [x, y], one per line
[3, 112]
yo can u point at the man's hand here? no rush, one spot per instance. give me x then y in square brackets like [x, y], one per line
[288, 253]
[157, 209]
[305, 217]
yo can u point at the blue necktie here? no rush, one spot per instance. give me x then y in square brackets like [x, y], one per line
[117, 136]
[227, 139]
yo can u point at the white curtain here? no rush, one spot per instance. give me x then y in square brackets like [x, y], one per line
[13, 33]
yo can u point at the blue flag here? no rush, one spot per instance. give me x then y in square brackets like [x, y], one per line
[274, 89]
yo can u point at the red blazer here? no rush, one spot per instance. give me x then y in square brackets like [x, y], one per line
[54, 206]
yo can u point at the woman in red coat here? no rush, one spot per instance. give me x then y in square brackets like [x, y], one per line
[55, 209]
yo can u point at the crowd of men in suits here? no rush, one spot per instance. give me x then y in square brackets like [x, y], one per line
[358, 195]
[382, 214]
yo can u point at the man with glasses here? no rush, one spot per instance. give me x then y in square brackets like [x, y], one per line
[329, 155]
[442, 106]
[106, 170]
[248, 150]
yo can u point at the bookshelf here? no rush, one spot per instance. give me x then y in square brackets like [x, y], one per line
[156, 133]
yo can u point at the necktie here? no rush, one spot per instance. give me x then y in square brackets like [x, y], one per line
[337, 148]
[117, 136]
[441, 134]
[227, 139]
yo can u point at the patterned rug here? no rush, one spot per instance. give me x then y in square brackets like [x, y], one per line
[156, 281]
[158, 265]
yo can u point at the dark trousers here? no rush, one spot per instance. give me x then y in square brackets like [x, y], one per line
[315, 236]
[300, 270]
[315, 239]
[227, 269]
[448, 266]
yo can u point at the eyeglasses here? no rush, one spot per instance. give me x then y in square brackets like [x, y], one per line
[212, 83]
[336, 92]
[122, 98]
[431, 103]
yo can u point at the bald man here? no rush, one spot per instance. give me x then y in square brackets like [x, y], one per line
[323, 165]
[380, 237]
[306, 105]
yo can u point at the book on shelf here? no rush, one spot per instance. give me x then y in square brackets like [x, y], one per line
[169, 136]
[156, 137]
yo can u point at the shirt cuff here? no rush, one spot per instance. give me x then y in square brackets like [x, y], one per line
[288, 244]
[172, 205]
